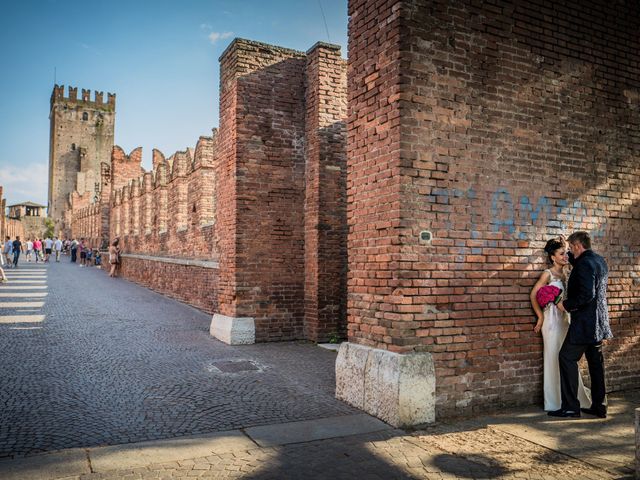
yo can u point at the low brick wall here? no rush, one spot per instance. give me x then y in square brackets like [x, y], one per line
[194, 282]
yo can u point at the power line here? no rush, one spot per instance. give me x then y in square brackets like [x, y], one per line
[324, 19]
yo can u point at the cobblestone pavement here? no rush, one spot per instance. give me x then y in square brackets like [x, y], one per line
[111, 362]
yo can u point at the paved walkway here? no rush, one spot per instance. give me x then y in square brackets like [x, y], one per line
[102, 379]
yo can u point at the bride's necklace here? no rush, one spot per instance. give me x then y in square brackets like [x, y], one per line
[556, 273]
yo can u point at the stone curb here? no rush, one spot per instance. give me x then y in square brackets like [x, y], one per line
[76, 462]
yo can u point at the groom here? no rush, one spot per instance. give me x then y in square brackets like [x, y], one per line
[586, 301]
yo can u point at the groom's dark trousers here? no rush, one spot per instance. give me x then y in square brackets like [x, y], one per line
[569, 355]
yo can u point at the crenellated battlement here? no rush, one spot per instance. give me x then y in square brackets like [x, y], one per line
[58, 95]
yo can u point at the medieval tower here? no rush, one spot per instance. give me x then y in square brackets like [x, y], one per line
[81, 139]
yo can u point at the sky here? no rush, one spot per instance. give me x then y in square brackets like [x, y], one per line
[160, 57]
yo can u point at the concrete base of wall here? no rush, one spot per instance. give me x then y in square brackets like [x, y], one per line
[637, 443]
[233, 330]
[399, 389]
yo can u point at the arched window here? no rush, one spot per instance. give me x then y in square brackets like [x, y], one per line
[85, 116]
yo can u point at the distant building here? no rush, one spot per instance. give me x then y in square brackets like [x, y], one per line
[32, 216]
[8, 226]
[81, 140]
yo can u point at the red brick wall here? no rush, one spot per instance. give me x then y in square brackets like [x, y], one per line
[194, 285]
[515, 124]
[9, 226]
[325, 194]
[375, 295]
[268, 171]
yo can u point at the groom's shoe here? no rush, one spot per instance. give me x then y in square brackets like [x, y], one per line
[600, 413]
[564, 414]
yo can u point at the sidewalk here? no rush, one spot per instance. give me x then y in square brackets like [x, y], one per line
[522, 445]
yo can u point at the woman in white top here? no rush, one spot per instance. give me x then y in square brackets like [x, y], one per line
[554, 325]
[29, 249]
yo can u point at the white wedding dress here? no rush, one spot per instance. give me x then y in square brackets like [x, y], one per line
[554, 330]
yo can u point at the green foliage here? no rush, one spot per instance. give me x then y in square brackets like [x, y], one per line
[334, 337]
[49, 223]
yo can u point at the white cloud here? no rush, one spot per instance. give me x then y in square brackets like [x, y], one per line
[206, 26]
[215, 36]
[25, 183]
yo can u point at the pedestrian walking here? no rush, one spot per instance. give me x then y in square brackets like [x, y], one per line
[37, 246]
[58, 248]
[6, 251]
[48, 245]
[29, 250]
[17, 249]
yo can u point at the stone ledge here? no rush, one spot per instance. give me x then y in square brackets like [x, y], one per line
[177, 261]
[233, 330]
[399, 389]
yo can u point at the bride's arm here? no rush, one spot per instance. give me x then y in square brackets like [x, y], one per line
[542, 281]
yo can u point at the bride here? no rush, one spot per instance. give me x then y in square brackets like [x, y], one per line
[554, 325]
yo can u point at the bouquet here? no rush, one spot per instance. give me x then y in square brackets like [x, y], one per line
[547, 295]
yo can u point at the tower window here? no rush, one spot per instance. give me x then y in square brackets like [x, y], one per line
[73, 146]
[85, 116]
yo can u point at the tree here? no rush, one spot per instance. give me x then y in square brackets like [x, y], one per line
[50, 224]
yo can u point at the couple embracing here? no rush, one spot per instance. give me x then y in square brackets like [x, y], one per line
[573, 324]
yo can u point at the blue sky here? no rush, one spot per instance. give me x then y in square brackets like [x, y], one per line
[159, 56]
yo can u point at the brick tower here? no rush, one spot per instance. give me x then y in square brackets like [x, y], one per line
[81, 138]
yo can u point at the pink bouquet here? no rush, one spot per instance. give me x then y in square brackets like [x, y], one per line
[548, 294]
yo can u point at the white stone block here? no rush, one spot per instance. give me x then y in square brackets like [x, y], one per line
[233, 330]
[399, 389]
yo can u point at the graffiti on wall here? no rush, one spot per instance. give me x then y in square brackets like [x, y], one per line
[520, 216]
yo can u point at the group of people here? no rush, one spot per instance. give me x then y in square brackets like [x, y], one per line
[36, 248]
[574, 325]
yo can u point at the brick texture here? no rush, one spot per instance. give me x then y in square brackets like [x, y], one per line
[81, 140]
[325, 199]
[9, 226]
[495, 126]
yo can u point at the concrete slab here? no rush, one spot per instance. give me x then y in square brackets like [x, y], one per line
[67, 463]
[310, 430]
[21, 318]
[134, 455]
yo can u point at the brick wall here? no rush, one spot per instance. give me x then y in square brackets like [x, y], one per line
[9, 226]
[325, 194]
[267, 168]
[494, 127]
[191, 284]
[168, 211]
[81, 139]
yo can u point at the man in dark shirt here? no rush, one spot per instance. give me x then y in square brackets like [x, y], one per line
[17, 248]
[586, 301]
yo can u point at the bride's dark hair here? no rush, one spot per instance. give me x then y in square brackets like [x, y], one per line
[551, 247]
